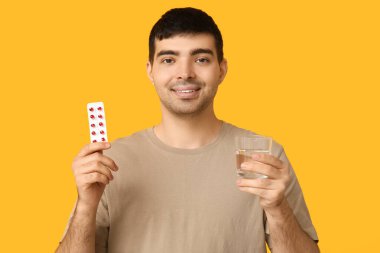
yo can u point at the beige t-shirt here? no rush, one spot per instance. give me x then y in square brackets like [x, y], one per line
[165, 199]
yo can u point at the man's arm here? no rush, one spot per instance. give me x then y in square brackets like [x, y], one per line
[286, 235]
[92, 171]
[80, 237]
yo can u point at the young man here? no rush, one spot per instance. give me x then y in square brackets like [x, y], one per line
[175, 188]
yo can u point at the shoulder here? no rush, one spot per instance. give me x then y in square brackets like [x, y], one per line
[136, 137]
[136, 141]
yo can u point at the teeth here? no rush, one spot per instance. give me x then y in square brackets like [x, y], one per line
[185, 91]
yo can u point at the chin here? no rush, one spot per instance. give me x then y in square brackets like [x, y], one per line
[190, 110]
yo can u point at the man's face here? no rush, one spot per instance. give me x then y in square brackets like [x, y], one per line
[186, 73]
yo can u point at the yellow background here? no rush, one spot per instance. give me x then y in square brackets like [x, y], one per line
[303, 72]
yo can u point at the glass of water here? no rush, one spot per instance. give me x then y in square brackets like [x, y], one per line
[246, 146]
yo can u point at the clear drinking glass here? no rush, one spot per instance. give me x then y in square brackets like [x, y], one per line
[247, 146]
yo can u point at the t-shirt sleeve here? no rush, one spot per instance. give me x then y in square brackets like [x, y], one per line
[102, 225]
[297, 202]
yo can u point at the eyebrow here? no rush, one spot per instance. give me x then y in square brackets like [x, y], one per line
[167, 52]
[193, 52]
[202, 51]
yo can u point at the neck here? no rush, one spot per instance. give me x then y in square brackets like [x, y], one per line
[190, 131]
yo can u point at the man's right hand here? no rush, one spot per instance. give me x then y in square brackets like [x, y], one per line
[92, 171]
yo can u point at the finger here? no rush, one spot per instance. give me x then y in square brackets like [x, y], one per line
[269, 159]
[93, 147]
[261, 168]
[95, 166]
[261, 183]
[95, 177]
[262, 193]
[97, 156]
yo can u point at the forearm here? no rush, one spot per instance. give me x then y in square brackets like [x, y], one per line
[80, 237]
[286, 235]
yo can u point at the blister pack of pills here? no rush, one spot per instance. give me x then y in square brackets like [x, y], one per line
[97, 122]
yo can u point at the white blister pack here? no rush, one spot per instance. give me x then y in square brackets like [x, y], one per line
[97, 122]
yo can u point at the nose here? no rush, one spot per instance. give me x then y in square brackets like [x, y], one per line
[185, 71]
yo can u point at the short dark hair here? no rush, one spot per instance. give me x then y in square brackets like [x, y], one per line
[185, 21]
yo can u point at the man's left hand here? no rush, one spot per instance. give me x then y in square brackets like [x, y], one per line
[271, 190]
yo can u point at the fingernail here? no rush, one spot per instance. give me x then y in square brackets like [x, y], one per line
[238, 181]
[108, 144]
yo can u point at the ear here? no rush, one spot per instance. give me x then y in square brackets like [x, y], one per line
[149, 71]
[223, 70]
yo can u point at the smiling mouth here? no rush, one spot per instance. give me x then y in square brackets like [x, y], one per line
[185, 91]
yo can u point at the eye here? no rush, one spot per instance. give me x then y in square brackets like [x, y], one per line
[167, 60]
[202, 60]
